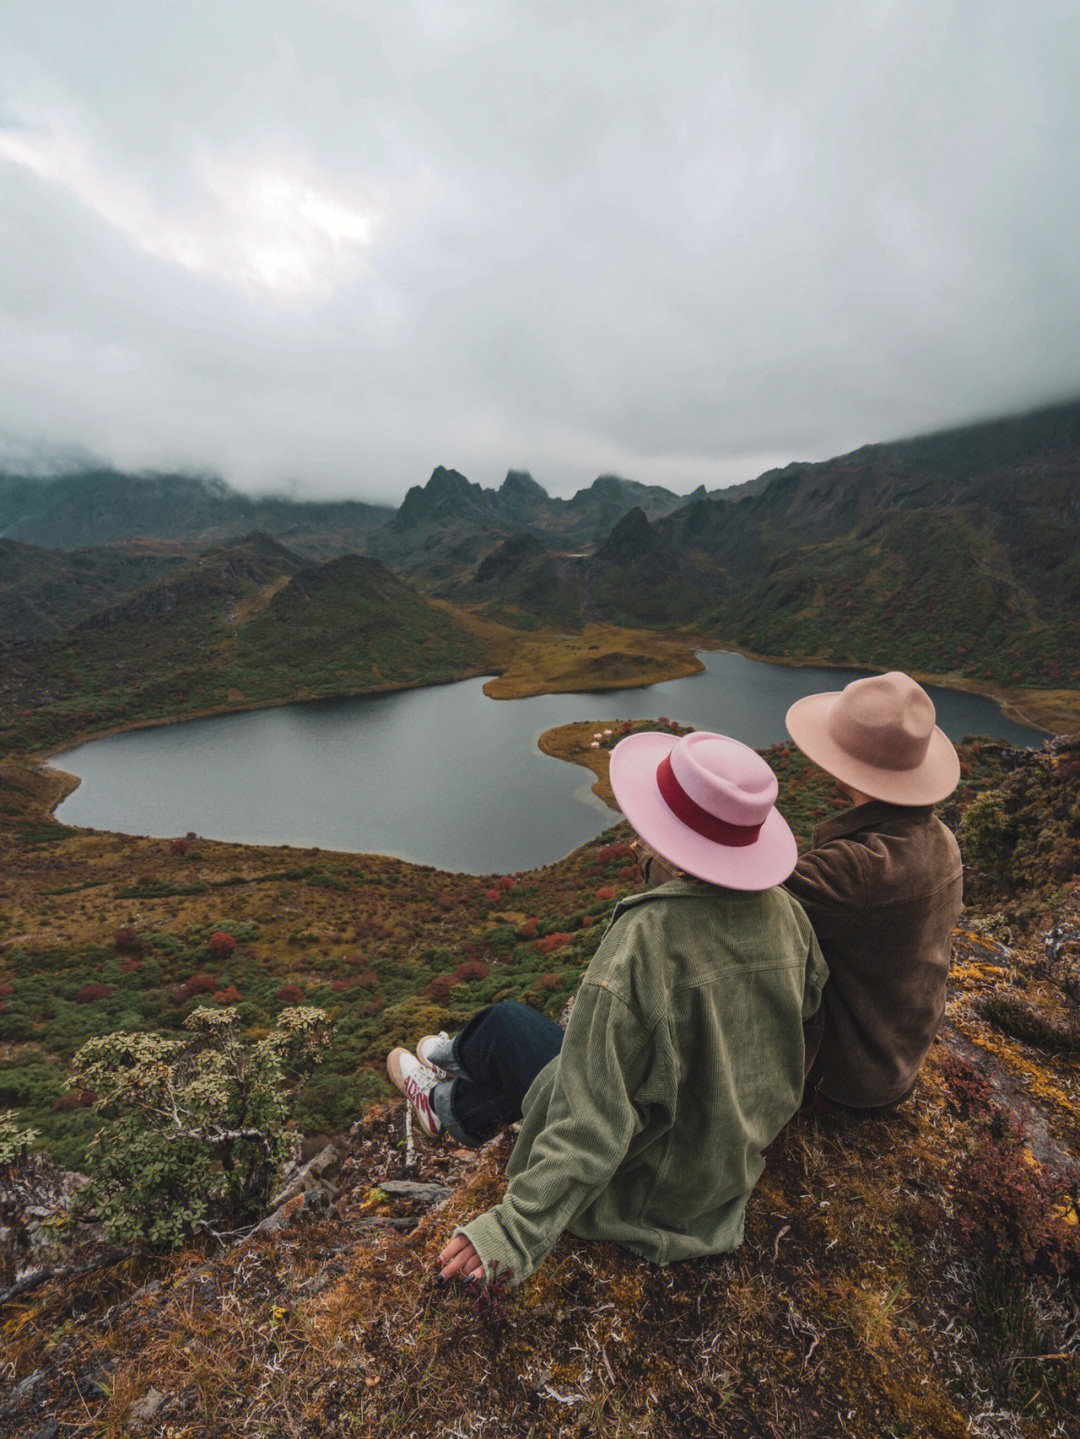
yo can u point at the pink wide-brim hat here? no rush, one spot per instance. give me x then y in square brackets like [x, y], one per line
[878, 735]
[706, 804]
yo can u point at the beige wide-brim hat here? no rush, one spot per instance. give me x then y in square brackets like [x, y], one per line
[878, 735]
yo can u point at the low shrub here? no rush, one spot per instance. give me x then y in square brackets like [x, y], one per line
[1015, 1213]
[551, 942]
[439, 989]
[13, 1140]
[74, 1099]
[1024, 1020]
[197, 984]
[195, 1129]
[89, 992]
[472, 969]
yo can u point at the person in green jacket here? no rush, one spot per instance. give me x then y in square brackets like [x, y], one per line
[683, 1057]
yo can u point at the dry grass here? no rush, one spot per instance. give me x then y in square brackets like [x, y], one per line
[601, 657]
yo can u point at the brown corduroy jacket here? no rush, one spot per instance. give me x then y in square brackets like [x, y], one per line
[882, 887]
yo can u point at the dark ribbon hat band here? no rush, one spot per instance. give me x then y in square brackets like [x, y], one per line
[696, 818]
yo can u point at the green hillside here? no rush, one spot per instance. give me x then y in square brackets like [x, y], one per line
[99, 507]
[43, 591]
[238, 626]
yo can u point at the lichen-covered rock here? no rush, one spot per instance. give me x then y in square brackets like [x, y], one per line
[1062, 944]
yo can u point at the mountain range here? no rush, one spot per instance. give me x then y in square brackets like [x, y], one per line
[956, 555]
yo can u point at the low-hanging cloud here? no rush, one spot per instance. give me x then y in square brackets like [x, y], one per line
[330, 245]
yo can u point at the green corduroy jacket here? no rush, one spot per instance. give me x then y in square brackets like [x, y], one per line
[682, 1059]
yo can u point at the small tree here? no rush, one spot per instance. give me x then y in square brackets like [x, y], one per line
[987, 839]
[195, 1130]
[14, 1142]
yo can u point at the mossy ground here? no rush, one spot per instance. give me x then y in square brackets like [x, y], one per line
[909, 1277]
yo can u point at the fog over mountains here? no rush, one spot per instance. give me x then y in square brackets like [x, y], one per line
[955, 554]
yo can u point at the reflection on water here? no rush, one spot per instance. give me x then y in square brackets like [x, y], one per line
[442, 776]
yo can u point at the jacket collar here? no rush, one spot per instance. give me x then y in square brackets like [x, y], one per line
[674, 889]
[875, 814]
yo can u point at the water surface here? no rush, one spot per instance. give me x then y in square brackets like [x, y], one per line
[441, 776]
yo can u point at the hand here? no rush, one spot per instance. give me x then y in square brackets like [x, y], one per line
[460, 1259]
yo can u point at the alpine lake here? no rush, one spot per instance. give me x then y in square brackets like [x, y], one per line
[442, 776]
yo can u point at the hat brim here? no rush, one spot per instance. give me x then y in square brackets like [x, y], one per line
[632, 772]
[808, 722]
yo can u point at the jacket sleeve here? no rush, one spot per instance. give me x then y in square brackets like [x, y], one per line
[829, 883]
[580, 1141]
[813, 1012]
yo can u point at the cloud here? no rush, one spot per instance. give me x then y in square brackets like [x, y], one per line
[338, 243]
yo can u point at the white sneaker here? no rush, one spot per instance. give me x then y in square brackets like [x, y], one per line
[416, 1081]
[434, 1051]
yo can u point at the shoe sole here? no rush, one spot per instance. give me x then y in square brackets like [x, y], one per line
[418, 1101]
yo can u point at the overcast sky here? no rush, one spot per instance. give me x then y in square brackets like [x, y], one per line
[332, 244]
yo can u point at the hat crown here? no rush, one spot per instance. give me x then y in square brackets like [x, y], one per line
[725, 778]
[884, 720]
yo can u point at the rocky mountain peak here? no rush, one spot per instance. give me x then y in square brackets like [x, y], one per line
[632, 540]
[509, 556]
[520, 485]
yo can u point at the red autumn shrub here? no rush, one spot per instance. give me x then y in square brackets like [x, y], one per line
[291, 994]
[552, 942]
[6, 988]
[549, 983]
[586, 921]
[491, 895]
[605, 892]
[438, 989]
[179, 846]
[528, 928]
[470, 970]
[506, 881]
[1015, 1212]
[370, 1008]
[130, 965]
[197, 984]
[229, 995]
[614, 851]
[366, 979]
[127, 940]
[221, 944]
[76, 1099]
[970, 1095]
[90, 992]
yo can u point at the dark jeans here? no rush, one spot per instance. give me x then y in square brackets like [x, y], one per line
[499, 1052]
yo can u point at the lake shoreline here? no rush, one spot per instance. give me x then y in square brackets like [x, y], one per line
[678, 658]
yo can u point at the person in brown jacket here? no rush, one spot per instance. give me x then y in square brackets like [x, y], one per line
[881, 886]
